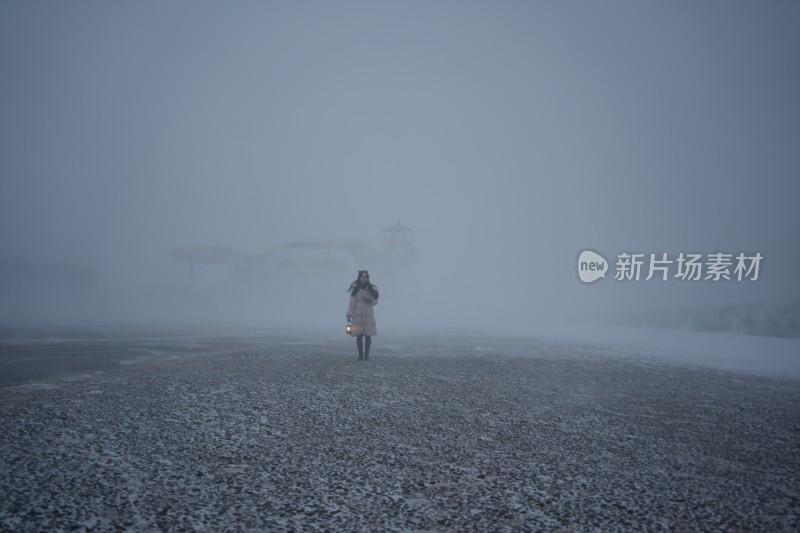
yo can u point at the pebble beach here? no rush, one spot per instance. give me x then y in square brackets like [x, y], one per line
[444, 433]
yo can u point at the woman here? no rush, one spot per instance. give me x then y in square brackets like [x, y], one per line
[363, 297]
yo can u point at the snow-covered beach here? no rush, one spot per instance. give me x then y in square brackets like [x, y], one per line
[444, 431]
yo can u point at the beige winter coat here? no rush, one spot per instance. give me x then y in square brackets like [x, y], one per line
[360, 309]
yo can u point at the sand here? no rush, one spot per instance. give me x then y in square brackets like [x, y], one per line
[442, 433]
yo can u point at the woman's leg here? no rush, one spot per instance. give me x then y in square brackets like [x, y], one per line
[366, 348]
[359, 343]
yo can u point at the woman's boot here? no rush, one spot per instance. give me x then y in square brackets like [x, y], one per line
[366, 348]
[360, 344]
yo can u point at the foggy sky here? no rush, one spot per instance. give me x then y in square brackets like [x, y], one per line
[509, 135]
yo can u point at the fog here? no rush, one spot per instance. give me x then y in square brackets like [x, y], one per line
[508, 135]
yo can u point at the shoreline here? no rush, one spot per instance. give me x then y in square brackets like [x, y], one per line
[31, 354]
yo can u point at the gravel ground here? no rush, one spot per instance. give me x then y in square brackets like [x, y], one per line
[433, 435]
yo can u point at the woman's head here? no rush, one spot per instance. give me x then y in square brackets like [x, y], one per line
[361, 281]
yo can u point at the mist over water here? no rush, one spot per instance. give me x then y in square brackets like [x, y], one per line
[509, 136]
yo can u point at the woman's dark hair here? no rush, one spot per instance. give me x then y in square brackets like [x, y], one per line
[356, 285]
